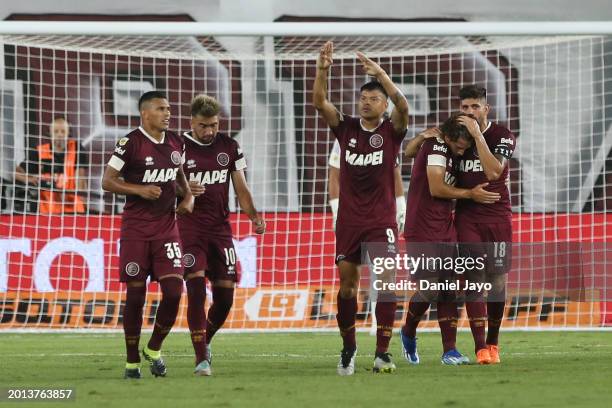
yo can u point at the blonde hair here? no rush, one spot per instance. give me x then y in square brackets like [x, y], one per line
[204, 105]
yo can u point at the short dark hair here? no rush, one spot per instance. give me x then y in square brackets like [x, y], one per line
[374, 86]
[454, 130]
[472, 92]
[205, 106]
[149, 96]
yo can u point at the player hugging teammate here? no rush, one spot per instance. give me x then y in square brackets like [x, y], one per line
[482, 224]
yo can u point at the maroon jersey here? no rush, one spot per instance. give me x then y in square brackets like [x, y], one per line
[211, 165]
[142, 160]
[367, 160]
[430, 219]
[502, 142]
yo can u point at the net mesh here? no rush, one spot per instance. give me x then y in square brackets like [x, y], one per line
[60, 270]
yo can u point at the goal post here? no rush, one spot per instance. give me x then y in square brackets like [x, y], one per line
[549, 83]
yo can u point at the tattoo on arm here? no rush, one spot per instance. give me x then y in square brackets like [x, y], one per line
[397, 98]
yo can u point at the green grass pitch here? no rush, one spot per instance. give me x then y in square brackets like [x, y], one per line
[539, 369]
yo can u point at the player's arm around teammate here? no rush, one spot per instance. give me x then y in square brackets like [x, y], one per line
[413, 145]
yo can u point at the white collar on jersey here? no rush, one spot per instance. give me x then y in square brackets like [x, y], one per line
[487, 128]
[193, 139]
[370, 130]
[151, 138]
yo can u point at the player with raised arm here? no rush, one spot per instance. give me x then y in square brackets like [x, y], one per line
[486, 230]
[211, 160]
[146, 166]
[333, 186]
[369, 145]
[430, 230]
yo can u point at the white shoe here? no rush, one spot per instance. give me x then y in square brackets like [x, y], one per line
[346, 365]
[383, 363]
[203, 369]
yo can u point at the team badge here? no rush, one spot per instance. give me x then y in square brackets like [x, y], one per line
[175, 157]
[132, 269]
[188, 260]
[223, 159]
[123, 141]
[376, 140]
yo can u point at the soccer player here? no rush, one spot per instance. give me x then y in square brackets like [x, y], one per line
[333, 186]
[369, 145]
[146, 166]
[430, 230]
[486, 161]
[211, 159]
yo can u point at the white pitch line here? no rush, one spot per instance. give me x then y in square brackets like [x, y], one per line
[277, 355]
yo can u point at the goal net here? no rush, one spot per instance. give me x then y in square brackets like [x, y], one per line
[60, 271]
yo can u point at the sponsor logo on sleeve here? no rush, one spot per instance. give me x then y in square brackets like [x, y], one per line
[440, 148]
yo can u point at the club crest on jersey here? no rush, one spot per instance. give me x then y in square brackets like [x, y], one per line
[149, 161]
[132, 269]
[123, 141]
[176, 158]
[188, 260]
[352, 142]
[223, 159]
[191, 164]
[376, 141]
